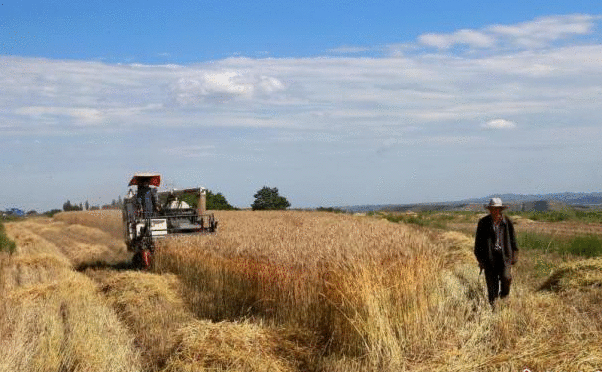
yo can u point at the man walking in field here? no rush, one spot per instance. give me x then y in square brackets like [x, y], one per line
[496, 250]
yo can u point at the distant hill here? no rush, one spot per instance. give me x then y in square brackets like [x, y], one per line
[565, 198]
[570, 198]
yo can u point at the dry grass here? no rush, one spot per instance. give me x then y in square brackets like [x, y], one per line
[150, 306]
[172, 340]
[29, 243]
[318, 291]
[236, 346]
[108, 220]
[55, 319]
[379, 296]
[77, 243]
[576, 276]
[52, 319]
[562, 229]
[364, 286]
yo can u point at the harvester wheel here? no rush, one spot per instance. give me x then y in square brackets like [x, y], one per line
[146, 259]
[142, 260]
[137, 260]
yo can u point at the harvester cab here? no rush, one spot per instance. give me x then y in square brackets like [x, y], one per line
[149, 215]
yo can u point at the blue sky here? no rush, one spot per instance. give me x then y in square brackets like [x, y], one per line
[334, 103]
[195, 31]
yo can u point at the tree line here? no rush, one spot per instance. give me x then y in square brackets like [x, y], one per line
[266, 198]
[68, 206]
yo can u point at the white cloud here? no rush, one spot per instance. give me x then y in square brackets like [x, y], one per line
[471, 38]
[417, 89]
[474, 38]
[541, 31]
[80, 115]
[191, 151]
[270, 84]
[226, 82]
[437, 40]
[190, 90]
[538, 33]
[499, 124]
[346, 49]
[221, 86]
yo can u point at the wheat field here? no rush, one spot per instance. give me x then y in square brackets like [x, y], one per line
[286, 291]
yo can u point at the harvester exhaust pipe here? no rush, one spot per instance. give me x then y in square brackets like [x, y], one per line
[202, 201]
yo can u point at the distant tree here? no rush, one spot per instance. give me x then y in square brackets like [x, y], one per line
[217, 201]
[52, 212]
[330, 209]
[87, 205]
[268, 199]
[67, 206]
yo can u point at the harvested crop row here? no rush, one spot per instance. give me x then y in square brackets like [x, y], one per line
[108, 221]
[52, 318]
[44, 293]
[576, 276]
[173, 340]
[421, 308]
[79, 244]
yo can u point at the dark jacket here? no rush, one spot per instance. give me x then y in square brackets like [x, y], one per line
[485, 241]
[146, 198]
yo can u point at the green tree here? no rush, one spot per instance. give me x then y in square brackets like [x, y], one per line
[67, 206]
[51, 212]
[214, 201]
[268, 199]
[217, 201]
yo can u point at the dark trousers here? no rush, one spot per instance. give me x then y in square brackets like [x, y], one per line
[498, 278]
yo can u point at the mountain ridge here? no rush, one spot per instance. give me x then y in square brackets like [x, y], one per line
[574, 199]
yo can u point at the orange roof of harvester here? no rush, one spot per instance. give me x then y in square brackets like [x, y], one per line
[154, 179]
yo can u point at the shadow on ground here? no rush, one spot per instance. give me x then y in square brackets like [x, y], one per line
[103, 265]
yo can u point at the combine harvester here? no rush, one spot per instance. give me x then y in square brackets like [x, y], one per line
[149, 215]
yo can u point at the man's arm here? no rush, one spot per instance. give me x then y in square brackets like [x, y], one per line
[480, 243]
[513, 245]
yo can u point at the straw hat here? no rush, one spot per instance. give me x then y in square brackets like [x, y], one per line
[495, 203]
